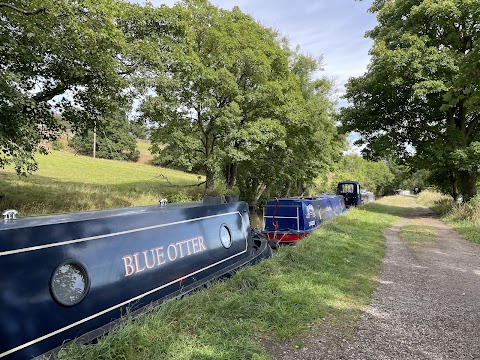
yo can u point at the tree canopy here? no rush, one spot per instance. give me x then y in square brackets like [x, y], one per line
[56, 57]
[220, 93]
[238, 103]
[420, 97]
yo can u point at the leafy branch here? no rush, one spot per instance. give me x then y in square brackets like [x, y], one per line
[21, 11]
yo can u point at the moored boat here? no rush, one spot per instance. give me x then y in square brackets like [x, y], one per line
[65, 277]
[353, 193]
[289, 220]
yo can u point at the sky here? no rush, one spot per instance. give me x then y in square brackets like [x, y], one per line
[333, 29]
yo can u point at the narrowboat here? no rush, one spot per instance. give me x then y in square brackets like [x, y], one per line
[288, 220]
[353, 193]
[66, 277]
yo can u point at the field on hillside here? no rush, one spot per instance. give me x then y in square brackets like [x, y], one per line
[68, 182]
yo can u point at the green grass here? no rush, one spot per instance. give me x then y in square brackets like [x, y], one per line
[66, 182]
[415, 234]
[465, 218]
[333, 271]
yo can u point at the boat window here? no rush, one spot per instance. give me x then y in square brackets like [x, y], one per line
[69, 284]
[347, 188]
[225, 236]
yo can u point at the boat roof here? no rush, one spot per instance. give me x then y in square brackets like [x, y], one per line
[349, 182]
[32, 221]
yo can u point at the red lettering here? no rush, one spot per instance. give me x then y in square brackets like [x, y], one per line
[145, 256]
[160, 256]
[137, 263]
[174, 248]
[202, 245]
[179, 244]
[129, 267]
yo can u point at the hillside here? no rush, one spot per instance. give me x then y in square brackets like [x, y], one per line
[66, 182]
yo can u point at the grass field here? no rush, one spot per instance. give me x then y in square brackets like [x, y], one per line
[68, 182]
[330, 274]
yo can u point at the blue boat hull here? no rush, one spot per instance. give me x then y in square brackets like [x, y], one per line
[66, 277]
[289, 220]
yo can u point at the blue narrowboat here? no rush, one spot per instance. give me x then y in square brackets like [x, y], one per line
[65, 277]
[353, 194]
[289, 220]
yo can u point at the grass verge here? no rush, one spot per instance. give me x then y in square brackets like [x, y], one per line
[465, 218]
[333, 271]
[66, 183]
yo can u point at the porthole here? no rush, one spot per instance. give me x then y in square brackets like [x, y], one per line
[69, 284]
[225, 236]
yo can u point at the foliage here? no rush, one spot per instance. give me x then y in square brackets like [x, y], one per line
[229, 103]
[65, 60]
[113, 139]
[464, 217]
[372, 176]
[420, 97]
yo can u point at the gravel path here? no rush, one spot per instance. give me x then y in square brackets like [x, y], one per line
[427, 305]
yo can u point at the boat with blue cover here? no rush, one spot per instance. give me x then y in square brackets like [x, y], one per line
[289, 220]
[65, 277]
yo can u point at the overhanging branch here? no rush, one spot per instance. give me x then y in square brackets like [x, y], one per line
[49, 94]
[21, 11]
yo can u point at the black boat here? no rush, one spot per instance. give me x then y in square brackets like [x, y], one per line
[66, 277]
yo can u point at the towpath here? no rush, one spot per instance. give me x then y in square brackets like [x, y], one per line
[427, 305]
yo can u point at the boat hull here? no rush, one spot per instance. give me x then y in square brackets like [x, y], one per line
[69, 275]
[288, 220]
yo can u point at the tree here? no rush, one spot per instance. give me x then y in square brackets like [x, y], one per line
[57, 57]
[114, 139]
[374, 176]
[196, 105]
[301, 143]
[420, 97]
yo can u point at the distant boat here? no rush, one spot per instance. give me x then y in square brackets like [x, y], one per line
[353, 194]
[66, 277]
[289, 220]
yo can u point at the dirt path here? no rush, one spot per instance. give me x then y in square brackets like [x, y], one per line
[427, 305]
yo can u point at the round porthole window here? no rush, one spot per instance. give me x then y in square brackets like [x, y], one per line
[225, 236]
[69, 284]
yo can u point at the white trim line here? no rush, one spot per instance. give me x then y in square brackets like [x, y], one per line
[56, 332]
[47, 246]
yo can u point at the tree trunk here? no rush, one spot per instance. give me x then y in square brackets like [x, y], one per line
[453, 182]
[288, 188]
[468, 185]
[209, 181]
[232, 171]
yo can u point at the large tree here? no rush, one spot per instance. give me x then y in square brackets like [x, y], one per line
[215, 83]
[420, 97]
[56, 56]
